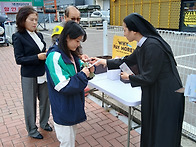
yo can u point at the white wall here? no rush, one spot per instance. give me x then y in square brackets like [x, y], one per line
[99, 2]
[106, 5]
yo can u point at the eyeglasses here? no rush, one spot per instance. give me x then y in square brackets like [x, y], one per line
[76, 19]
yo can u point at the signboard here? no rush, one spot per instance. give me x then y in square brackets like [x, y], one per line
[12, 7]
[122, 47]
[38, 3]
[15, 0]
[190, 18]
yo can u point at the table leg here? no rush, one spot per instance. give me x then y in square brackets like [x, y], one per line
[129, 126]
[102, 99]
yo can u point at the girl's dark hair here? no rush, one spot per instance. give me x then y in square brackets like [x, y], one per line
[73, 30]
[22, 15]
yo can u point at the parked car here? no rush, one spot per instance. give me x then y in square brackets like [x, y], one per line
[87, 20]
[3, 38]
[105, 15]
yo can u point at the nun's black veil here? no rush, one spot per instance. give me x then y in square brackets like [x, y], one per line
[135, 22]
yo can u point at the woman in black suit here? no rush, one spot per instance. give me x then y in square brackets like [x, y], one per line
[30, 53]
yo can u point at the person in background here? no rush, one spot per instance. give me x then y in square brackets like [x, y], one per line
[30, 53]
[66, 82]
[162, 108]
[71, 13]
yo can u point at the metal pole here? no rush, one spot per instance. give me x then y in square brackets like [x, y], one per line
[89, 22]
[102, 99]
[129, 127]
[49, 18]
[105, 38]
[44, 19]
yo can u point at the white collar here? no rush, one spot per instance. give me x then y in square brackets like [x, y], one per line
[142, 40]
[37, 40]
[30, 32]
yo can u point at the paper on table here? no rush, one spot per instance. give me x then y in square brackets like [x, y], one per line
[113, 74]
[126, 69]
[190, 87]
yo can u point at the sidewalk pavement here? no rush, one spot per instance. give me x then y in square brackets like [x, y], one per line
[101, 129]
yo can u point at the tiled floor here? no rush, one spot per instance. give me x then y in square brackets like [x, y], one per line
[101, 129]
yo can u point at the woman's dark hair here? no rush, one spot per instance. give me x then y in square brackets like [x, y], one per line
[73, 30]
[22, 15]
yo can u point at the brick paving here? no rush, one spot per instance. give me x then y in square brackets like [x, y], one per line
[101, 129]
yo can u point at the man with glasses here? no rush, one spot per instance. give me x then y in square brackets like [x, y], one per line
[71, 13]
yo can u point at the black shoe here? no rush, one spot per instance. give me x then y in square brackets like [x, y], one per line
[48, 128]
[39, 136]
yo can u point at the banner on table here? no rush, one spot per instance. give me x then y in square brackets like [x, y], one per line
[122, 47]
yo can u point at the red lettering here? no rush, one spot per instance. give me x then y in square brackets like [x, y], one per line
[6, 9]
[13, 9]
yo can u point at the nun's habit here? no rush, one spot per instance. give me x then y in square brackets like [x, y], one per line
[162, 108]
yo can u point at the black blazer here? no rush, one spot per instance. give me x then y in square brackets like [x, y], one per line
[26, 51]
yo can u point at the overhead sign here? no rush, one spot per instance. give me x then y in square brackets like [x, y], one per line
[122, 47]
[38, 3]
[190, 18]
[12, 7]
[15, 0]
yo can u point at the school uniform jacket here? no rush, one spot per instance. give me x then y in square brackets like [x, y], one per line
[26, 51]
[66, 87]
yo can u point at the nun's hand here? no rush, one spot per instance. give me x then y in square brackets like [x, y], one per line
[124, 75]
[97, 61]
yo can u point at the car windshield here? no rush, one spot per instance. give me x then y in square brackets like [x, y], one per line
[96, 13]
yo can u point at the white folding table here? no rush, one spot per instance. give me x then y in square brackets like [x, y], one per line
[122, 92]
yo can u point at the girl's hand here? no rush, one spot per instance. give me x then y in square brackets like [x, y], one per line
[84, 58]
[124, 76]
[86, 71]
[92, 69]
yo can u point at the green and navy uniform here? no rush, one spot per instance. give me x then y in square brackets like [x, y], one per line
[66, 87]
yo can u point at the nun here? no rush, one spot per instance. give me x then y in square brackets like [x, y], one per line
[162, 107]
